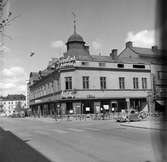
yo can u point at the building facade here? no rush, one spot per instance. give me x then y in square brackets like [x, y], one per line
[82, 83]
[10, 103]
[155, 58]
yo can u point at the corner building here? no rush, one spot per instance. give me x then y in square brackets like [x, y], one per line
[82, 83]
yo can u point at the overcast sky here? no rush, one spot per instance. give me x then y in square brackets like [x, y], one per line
[43, 26]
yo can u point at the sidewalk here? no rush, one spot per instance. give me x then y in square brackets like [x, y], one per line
[72, 119]
[148, 124]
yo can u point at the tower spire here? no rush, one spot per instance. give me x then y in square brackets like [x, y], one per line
[74, 21]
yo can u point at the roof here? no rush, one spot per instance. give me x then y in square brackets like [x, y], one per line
[75, 38]
[14, 97]
[145, 51]
[146, 55]
[34, 76]
[96, 58]
[77, 52]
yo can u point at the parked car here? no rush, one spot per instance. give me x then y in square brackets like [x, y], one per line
[132, 115]
[16, 114]
[2, 115]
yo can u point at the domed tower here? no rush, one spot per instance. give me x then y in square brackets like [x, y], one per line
[76, 45]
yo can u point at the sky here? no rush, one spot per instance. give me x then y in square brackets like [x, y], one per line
[43, 27]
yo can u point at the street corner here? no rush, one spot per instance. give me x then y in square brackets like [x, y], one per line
[149, 124]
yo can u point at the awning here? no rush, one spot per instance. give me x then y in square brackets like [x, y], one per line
[161, 102]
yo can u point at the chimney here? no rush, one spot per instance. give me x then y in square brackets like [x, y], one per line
[113, 54]
[87, 48]
[129, 44]
[155, 49]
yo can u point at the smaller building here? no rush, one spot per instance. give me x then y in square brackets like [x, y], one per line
[156, 58]
[9, 103]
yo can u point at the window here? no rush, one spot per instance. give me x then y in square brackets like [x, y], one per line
[120, 65]
[68, 83]
[139, 66]
[135, 83]
[85, 82]
[162, 75]
[144, 83]
[84, 63]
[121, 82]
[103, 82]
[102, 64]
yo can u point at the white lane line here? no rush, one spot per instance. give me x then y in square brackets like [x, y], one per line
[75, 130]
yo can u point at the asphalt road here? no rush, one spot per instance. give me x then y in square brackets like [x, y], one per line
[33, 140]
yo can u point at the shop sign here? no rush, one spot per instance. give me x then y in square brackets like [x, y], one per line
[65, 62]
[106, 107]
[90, 96]
[68, 94]
[38, 101]
[87, 108]
[127, 99]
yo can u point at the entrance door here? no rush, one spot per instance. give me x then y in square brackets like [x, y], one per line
[114, 106]
[69, 107]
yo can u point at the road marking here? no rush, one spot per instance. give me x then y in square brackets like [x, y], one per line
[41, 132]
[93, 129]
[75, 130]
[59, 131]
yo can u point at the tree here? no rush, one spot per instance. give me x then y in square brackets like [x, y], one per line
[19, 107]
[1, 108]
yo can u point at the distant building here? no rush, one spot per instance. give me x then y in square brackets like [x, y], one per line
[10, 102]
[154, 57]
[82, 83]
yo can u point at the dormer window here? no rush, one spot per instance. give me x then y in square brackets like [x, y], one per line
[84, 63]
[139, 66]
[102, 64]
[120, 65]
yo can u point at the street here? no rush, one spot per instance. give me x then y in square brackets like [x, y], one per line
[74, 141]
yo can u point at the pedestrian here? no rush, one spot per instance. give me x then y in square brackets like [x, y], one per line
[55, 116]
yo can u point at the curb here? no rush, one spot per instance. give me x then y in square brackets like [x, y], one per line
[142, 127]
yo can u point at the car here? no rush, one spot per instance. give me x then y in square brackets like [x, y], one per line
[121, 118]
[133, 115]
[2, 115]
